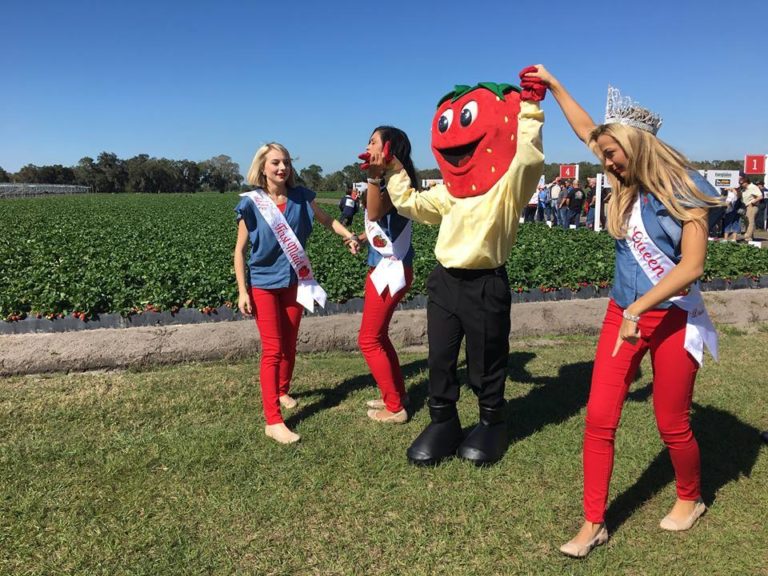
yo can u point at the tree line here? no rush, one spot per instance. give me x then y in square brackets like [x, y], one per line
[143, 173]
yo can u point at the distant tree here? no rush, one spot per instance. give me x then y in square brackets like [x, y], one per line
[86, 172]
[719, 165]
[220, 173]
[29, 174]
[112, 173]
[138, 180]
[334, 182]
[188, 175]
[4, 176]
[312, 176]
[353, 173]
[429, 174]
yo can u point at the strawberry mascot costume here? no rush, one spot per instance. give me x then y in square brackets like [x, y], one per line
[487, 142]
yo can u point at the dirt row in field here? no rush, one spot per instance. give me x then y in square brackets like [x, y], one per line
[136, 347]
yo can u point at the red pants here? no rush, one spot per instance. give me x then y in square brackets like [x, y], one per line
[278, 316]
[674, 372]
[375, 344]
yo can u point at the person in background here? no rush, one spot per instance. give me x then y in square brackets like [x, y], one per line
[390, 273]
[349, 206]
[543, 210]
[751, 196]
[274, 276]
[575, 203]
[763, 211]
[554, 193]
[731, 218]
[658, 215]
[562, 208]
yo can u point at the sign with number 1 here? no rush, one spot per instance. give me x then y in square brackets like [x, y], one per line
[753, 164]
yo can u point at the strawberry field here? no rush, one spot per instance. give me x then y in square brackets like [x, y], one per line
[85, 255]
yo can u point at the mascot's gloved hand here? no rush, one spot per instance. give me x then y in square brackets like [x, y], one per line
[533, 89]
[366, 157]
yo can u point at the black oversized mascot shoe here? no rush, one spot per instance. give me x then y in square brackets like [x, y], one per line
[440, 439]
[488, 440]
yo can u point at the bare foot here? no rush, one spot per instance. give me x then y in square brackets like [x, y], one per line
[288, 401]
[281, 433]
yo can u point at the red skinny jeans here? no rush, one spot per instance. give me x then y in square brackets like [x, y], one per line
[374, 342]
[278, 316]
[674, 372]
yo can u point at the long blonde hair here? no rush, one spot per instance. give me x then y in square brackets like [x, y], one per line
[654, 165]
[256, 176]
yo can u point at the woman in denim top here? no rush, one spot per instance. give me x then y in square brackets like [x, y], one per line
[374, 342]
[266, 282]
[674, 202]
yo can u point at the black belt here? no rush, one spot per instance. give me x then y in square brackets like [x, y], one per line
[471, 274]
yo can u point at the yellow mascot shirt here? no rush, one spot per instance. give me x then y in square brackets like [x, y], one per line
[478, 232]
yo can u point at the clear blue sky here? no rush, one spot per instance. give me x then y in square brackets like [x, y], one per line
[191, 80]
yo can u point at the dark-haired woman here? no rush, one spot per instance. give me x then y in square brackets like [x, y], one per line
[390, 273]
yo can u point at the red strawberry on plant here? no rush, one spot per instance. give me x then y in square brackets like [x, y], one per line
[474, 136]
[379, 241]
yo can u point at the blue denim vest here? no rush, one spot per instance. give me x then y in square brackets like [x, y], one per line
[629, 280]
[268, 265]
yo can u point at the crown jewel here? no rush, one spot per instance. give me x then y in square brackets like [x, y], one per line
[622, 110]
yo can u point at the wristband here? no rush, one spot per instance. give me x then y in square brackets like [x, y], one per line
[376, 181]
[626, 315]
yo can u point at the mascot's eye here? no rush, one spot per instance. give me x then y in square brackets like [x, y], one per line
[468, 114]
[444, 122]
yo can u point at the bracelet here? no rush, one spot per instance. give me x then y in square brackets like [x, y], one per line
[626, 315]
[376, 181]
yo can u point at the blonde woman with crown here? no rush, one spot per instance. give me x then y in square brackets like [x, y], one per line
[658, 213]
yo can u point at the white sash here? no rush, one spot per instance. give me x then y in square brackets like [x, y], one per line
[308, 291]
[389, 272]
[699, 329]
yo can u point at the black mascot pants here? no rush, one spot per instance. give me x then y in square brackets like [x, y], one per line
[475, 304]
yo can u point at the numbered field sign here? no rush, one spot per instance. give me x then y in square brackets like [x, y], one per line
[569, 171]
[753, 164]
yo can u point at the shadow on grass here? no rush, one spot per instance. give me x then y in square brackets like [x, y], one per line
[553, 400]
[331, 397]
[729, 449]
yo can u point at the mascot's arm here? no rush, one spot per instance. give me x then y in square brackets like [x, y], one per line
[427, 207]
[528, 165]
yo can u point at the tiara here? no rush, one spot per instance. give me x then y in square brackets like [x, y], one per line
[622, 110]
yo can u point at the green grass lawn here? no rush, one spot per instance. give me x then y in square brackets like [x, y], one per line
[168, 471]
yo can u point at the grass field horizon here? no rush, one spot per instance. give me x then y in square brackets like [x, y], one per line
[168, 471]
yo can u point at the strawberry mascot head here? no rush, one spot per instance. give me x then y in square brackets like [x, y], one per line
[474, 136]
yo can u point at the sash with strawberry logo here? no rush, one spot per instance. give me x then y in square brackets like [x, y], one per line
[699, 330]
[309, 291]
[389, 272]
